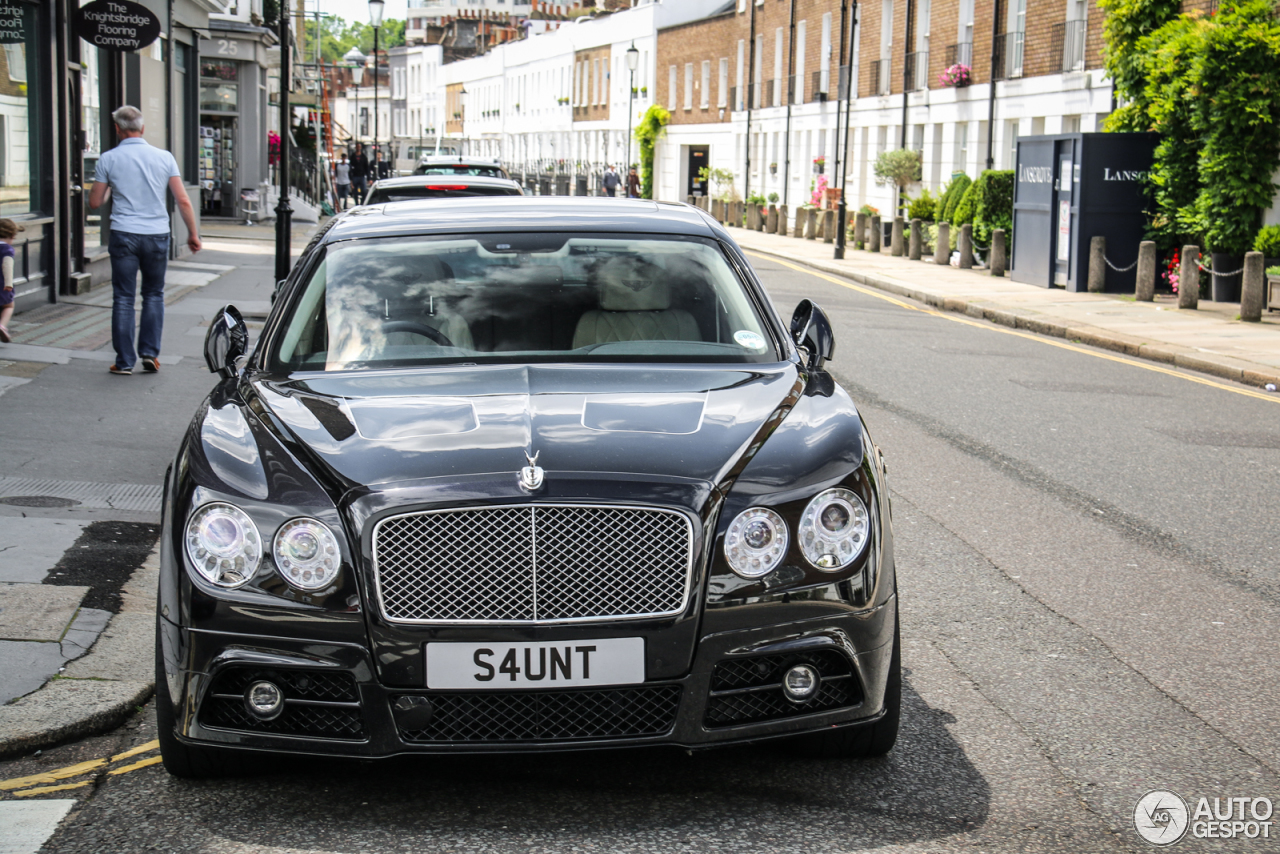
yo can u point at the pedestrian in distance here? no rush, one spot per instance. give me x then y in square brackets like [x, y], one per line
[633, 184]
[8, 230]
[611, 181]
[359, 175]
[382, 169]
[342, 181]
[134, 175]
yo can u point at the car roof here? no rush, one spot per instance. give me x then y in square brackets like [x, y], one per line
[453, 180]
[522, 213]
[444, 159]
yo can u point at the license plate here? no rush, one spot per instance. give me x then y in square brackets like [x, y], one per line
[554, 664]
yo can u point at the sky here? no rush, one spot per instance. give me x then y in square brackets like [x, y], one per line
[357, 10]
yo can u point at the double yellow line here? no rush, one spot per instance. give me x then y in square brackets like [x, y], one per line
[49, 781]
[1030, 336]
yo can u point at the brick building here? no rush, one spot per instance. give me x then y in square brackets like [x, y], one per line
[781, 64]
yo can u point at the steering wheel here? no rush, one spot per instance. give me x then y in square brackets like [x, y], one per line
[417, 329]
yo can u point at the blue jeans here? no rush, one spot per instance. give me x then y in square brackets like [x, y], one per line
[129, 254]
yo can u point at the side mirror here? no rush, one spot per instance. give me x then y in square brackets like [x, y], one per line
[226, 341]
[811, 330]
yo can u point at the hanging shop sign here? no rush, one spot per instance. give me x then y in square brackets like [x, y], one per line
[119, 25]
[12, 23]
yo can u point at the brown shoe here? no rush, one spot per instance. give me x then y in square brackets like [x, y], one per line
[4, 334]
[151, 364]
[120, 372]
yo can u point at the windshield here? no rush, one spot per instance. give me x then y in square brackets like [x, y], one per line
[460, 169]
[483, 299]
[380, 195]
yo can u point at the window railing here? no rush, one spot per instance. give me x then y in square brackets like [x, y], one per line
[917, 71]
[1008, 55]
[881, 83]
[960, 53]
[1071, 35]
[821, 84]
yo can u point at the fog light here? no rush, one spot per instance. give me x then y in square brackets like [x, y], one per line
[800, 684]
[264, 700]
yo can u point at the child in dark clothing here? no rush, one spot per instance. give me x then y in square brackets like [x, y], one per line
[8, 230]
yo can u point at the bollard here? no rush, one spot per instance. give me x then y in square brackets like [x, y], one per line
[1145, 286]
[915, 243]
[829, 227]
[771, 221]
[822, 225]
[1189, 278]
[1253, 287]
[942, 246]
[811, 224]
[761, 213]
[1097, 264]
[873, 240]
[896, 249]
[782, 220]
[966, 247]
[997, 260]
[802, 217]
[859, 230]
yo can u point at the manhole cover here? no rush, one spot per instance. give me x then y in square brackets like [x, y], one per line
[38, 501]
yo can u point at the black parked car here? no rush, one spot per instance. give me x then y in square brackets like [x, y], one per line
[512, 474]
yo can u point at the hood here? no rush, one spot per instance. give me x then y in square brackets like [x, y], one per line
[674, 422]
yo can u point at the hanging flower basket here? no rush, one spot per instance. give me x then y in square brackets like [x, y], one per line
[958, 75]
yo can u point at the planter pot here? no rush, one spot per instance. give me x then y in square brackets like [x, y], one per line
[1226, 288]
[1273, 293]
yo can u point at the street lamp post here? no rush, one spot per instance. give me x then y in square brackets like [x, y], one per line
[284, 210]
[358, 60]
[633, 60]
[375, 20]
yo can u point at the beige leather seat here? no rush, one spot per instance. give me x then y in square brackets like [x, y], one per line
[635, 305]
[452, 324]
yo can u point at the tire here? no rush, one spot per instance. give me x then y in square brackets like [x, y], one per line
[872, 740]
[189, 761]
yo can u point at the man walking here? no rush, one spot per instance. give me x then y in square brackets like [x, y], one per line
[135, 175]
[633, 184]
[611, 181]
[359, 175]
[342, 181]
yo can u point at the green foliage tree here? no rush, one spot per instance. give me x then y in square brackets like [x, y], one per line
[1268, 241]
[337, 36]
[1173, 184]
[951, 197]
[922, 206]
[723, 181]
[651, 128]
[899, 167]
[1126, 24]
[987, 205]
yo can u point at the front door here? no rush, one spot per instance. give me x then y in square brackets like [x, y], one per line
[1063, 200]
[699, 157]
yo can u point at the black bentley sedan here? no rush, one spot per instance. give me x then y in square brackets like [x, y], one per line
[512, 474]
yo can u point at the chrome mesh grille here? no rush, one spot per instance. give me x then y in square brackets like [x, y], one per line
[538, 563]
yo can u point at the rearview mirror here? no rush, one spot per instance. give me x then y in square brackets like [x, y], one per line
[811, 330]
[226, 341]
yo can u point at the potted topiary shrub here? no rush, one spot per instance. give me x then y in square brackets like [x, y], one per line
[1268, 243]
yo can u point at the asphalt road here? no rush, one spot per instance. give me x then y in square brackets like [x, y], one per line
[1088, 579]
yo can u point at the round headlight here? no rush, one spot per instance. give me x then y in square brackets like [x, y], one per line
[306, 554]
[223, 544]
[833, 529]
[756, 542]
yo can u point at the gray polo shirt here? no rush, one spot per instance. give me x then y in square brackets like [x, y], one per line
[138, 174]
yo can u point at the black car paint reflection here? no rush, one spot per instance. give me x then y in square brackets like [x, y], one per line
[352, 448]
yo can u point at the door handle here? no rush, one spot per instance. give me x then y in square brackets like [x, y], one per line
[76, 189]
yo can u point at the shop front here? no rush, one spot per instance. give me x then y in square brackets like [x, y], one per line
[232, 144]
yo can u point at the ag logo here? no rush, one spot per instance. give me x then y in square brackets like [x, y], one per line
[1161, 817]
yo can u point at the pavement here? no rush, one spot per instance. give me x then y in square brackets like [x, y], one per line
[82, 457]
[1210, 339]
[77, 567]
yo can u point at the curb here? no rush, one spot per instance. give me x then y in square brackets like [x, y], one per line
[101, 689]
[1223, 367]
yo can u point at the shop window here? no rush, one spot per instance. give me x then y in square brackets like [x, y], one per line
[22, 147]
[219, 91]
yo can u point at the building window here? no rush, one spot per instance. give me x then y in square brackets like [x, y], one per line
[219, 91]
[21, 121]
[776, 98]
[722, 93]
[671, 88]
[704, 98]
[688, 85]
[801, 30]
[742, 52]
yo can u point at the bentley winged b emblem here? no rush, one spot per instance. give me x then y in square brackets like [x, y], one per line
[531, 475]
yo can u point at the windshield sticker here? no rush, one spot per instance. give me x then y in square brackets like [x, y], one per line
[750, 340]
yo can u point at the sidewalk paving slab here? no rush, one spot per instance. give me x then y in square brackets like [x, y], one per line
[1210, 339]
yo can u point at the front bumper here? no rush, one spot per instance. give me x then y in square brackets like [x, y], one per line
[343, 710]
